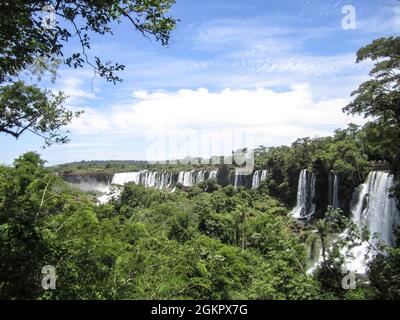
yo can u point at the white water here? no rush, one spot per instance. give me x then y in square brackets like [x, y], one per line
[200, 177]
[305, 194]
[213, 174]
[374, 208]
[236, 182]
[258, 177]
[125, 177]
[312, 206]
[107, 197]
[165, 180]
[333, 190]
[162, 180]
[263, 175]
[149, 179]
[335, 196]
[186, 178]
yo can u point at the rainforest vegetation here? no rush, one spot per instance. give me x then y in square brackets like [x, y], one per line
[202, 242]
[209, 241]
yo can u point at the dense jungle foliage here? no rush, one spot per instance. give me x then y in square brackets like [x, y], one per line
[204, 242]
[210, 241]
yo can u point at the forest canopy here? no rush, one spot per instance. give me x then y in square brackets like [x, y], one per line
[212, 240]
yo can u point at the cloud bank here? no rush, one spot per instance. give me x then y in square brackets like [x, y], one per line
[265, 117]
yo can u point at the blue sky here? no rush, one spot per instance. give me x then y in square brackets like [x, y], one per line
[236, 73]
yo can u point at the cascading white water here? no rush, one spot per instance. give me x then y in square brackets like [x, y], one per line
[311, 204]
[263, 175]
[258, 177]
[305, 206]
[180, 177]
[200, 177]
[213, 174]
[335, 195]
[301, 205]
[164, 180]
[375, 208]
[154, 179]
[186, 178]
[169, 180]
[333, 190]
[256, 180]
[236, 181]
[125, 177]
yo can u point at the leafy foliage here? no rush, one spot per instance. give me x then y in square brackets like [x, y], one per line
[28, 108]
[29, 43]
[26, 36]
[146, 244]
[379, 97]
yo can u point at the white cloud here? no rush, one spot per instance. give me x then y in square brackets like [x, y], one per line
[78, 87]
[268, 117]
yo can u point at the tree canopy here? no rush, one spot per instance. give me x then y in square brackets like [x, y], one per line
[30, 42]
[26, 36]
[379, 97]
[39, 111]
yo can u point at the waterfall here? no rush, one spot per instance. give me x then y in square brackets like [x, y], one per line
[164, 180]
[256, 180]
[169, 180]
[333, 190]
[305, 195]
[122, 178]
[186, 178]
[263, 175]
[311, 207]
[149, 179]
[213, 174]
[301, 204]
[200, 177]
[258, 177]
[375, 208]
[237, 179]
[180, 177]
[160, 180]
[335, 202]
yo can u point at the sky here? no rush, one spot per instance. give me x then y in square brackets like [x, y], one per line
[235, 74]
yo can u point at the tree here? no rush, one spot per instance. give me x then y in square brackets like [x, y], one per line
[379, 97]
[28, 108]
[384, 272]
[27, 36]
[30, 42]
[22, 250]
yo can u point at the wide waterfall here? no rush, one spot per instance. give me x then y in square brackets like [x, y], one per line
[305, 195]
[258, 177]
[155, 179]
[187, 178]
[163, 180]
[374, 207]
[125, 177]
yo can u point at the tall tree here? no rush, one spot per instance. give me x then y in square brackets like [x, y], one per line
[379, 97]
